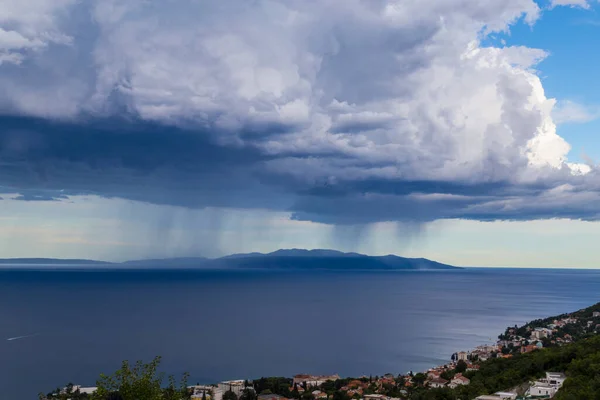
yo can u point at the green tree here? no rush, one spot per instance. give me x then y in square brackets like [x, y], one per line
[140, 381]
[276, 385]
[248, 394]
[461, 366]
[340, 395]
[295, 394]
[308, 396]
[419, 379]
[447, 375]
[229, 395]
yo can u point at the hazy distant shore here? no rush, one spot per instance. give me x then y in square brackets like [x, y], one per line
[294, 259]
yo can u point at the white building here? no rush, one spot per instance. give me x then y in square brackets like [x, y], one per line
[81, 389]
[541, 333]
[547, 386]
[555, 378]
[542, 390]
[236, 387]
[596, 314]
[488, 348]
[87, 390]
[462, 355]
[312, 380]
[200, 391]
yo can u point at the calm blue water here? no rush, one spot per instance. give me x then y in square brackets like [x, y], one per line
[219, 325]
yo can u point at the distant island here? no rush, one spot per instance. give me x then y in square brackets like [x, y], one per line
[285, 259]
[51, 261]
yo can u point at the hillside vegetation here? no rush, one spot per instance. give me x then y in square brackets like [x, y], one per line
[580, 361]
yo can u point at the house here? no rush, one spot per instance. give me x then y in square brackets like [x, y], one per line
[549, 385]
[542, 390]
[386, 381]
[301, 378]
[458, 380]
[555, 378]
[528, 348]
[356, 384]
[438, 383]
[568, 338]
[596, 314]
[433, 374]
[472, 367]
[462, 355]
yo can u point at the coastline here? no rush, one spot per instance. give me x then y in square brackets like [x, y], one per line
[535, 336]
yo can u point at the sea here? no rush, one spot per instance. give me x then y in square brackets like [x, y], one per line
[61, 326]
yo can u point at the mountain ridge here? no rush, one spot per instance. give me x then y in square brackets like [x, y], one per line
[291, 259]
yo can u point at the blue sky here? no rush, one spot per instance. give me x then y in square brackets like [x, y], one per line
[570, 35]
[134, 130]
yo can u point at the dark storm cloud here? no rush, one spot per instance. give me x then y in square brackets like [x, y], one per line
[128, 159]
[148, 162]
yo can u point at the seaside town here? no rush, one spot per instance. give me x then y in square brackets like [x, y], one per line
[449, 381]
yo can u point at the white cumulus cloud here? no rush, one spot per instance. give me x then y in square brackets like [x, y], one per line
[345, 94]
